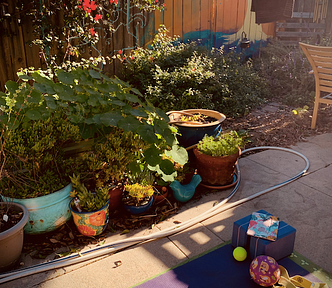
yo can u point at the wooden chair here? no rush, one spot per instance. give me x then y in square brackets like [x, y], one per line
[320, 59]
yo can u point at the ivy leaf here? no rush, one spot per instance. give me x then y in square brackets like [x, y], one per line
[94, 74]
[33, 114]
[147, 133]
[152, 156]
[65, 77]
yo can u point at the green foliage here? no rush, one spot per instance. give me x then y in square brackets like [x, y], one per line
[35, 162]
[223, 145]
[139, 191]
[175, 76]
[89, 201]
[286, 70]
[93, 106]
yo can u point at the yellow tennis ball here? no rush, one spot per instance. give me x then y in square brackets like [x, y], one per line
[240, 254]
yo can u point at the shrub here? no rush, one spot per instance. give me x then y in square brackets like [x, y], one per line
[175, 76]
[286, 70]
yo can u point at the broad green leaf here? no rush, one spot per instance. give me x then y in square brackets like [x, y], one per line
[152, 156]
[13, 123]
[25, 77]
[50, 102]
[81, 98]
[20, 102]
[117, 102]
[78, 88]
[136, 91]
[33, 114]
[111, 118]
[167, 166]
[178, 154]
[129, 123]
[162, 114]
[105, 77]
[93, 100]
[94, 74]
[2, 100]
[35, 96]
[11, 86]
[41, 78]
[103, 87]
[132, 98]
[65, 77]
[40, 87]
[138, 112]
[113, 88]
[64, 96]
[147, 133]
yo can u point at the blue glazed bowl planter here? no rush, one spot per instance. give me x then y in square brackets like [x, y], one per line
[138, 209]
[192, 133]
[46, 213]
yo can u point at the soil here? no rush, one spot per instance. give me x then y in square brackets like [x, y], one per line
[9, 217]
[270, 125]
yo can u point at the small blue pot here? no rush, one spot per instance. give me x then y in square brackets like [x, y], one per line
[139, 209]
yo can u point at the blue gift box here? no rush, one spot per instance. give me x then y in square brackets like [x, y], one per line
[240, 227]
[278, 249]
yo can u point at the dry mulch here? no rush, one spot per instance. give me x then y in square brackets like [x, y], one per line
[271, 125]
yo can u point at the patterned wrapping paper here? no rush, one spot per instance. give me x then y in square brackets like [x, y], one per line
[263, 226]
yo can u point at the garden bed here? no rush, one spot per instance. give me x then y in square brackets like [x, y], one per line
[270, 125]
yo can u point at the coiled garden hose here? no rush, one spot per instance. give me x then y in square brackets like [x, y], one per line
[122, 244]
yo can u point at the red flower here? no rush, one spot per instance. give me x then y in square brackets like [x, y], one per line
[116, 2]
[157, 1]
[98, 16]
[97, 219]
[120, 52]
[79, 6]
[92, 31]
[164, 4]
[93, 5]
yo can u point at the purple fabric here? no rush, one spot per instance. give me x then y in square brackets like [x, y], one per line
[217, 269]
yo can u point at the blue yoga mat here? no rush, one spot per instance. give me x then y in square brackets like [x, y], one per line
[218, 268]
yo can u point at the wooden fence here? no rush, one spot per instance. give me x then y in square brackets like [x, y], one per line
[215, 23]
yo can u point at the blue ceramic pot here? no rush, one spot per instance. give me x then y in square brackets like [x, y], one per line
[46, 213]
[138, 209]
[191, 134]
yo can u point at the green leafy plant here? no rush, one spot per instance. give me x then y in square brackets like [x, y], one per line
[223, 145]
[139, 191]
[174, 76]
[94, 105]
[85, 200]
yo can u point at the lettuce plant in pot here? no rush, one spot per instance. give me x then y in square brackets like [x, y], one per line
[216, 158]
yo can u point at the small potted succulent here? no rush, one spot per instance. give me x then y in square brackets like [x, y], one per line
[138, 193]
[216, 158]
[89, 209]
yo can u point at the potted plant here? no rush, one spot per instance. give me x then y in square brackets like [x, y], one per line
[216, 158]
[138, 191]
[13, 218]
[35, 173]
[89, 209]
[193, 124]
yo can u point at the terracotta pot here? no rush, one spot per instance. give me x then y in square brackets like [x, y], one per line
[160, 197]
[115, 198]
[218, 170]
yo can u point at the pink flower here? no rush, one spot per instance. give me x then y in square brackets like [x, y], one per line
[92, 31]
[98, 16]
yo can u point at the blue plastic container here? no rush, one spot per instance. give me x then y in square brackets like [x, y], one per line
[191, 134]
[46, 213]
[138, 209]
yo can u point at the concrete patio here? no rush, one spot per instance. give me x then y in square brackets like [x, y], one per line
[305, 204]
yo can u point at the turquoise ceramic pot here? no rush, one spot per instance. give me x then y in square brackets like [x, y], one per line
[46, 213]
